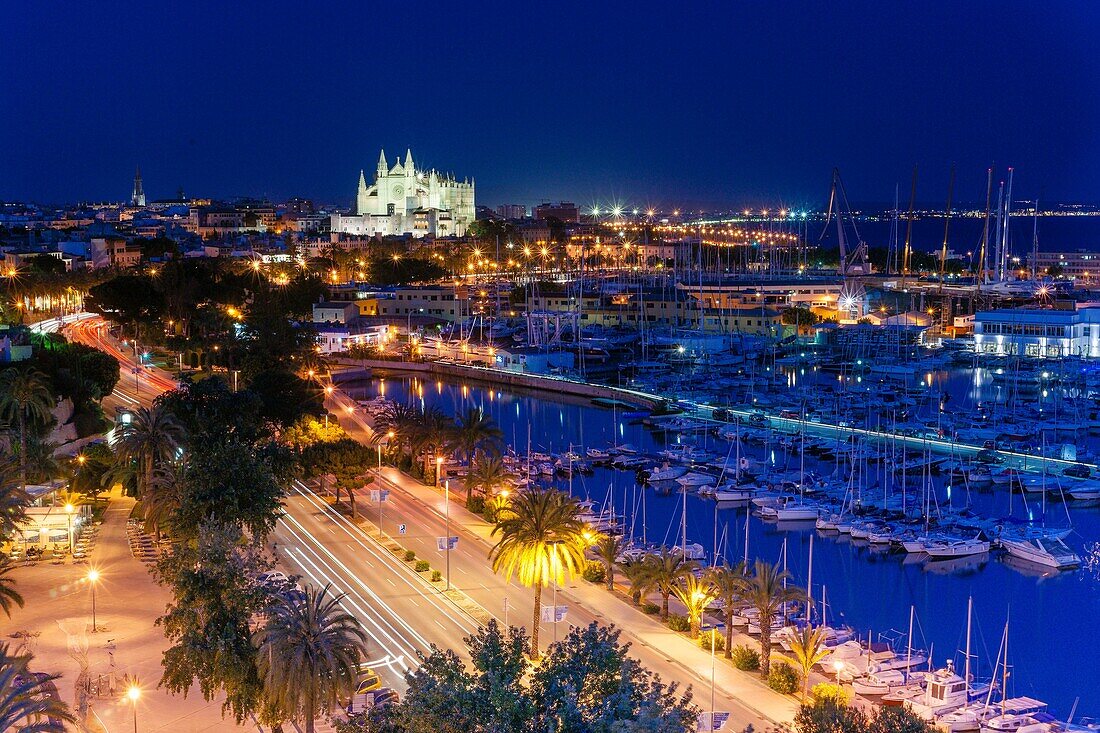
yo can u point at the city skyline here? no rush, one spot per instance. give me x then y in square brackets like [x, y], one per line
[721, 107]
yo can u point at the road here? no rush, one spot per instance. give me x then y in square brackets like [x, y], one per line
[403, 615]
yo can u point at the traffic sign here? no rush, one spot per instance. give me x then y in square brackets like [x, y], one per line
[554, 614]
[709, 723]
[442, 544]
[379, 495]
[401, 529]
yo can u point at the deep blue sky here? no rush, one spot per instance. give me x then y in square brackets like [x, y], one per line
[650, 103]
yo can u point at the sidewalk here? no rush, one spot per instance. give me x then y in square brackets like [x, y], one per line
[128, 603]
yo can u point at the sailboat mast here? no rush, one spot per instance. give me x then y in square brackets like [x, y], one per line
[998, 264]
[909, 228]
[983, 273]
[1035, 242]
[1004, 230]
[946, 227]
[909, 645]
[966, 666]
[810, 581]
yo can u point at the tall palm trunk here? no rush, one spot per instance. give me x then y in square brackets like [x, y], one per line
[309, 708]
[611, 577]
[22, 449]
[664, 603]
[729, 632]
[535, 622]
[765, 644]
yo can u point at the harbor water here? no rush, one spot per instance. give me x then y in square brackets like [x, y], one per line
[1052, 615]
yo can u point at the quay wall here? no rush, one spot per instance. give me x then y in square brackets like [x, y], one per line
[562, 385]
[538, 382]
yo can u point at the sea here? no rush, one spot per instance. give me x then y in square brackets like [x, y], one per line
[1053, 644]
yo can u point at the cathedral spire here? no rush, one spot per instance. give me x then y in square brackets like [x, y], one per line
[137, 198]
[362, 182]
[409, 160]
[382, 165]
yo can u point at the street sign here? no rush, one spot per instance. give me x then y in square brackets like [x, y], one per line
[554, 614]
[706, 722]
[401, 529]
[379, 495]
[441, 543]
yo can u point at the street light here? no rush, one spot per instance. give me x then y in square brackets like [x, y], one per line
[133, 694]
[837, 667]
[93, 578]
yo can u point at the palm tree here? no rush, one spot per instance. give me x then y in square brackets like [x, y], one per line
[401, 420]
[431, 438]
[637, 573]
[729, 586]
[164, 495]
[608, 548]
[766, 591]
[9, 596]
[541, 541]
[25, 395]
[309, 654]
[153, 436]
[665, 571]
[29, 702]
[808, 648]
[14, 501]
[486, 475]
[696, 595]
[475, 432]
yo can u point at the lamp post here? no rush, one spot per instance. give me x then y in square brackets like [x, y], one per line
[93, 578]
[328, 393]
[447, 521]
[69, 518]
[133, 694]
[837, 667]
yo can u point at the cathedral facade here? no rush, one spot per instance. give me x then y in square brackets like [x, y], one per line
[404, 200]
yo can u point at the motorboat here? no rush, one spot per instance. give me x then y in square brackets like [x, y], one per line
[950, 548]
[666, 473]
[1048, 551]
[944, 691]
[692, 480]
[973, 716]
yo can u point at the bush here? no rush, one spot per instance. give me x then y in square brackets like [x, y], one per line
[745, 658]
[823, 691]
[436, 576]
[409, 555]
[422, 566]
[650, 609]
[594, 572]
[676, 622]
[476, 504]
[719, 640]
[783, 678]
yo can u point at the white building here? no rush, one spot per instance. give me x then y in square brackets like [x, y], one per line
[404, 200]
[1039, 332]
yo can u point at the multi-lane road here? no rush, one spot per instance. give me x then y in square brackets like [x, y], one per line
[402, 613]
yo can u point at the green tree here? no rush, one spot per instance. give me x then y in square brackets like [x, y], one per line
[696, 595]
[130, 300]
[486, 476]
[25, 396]
[807, 650]
[541, 541]
[29, 702]
[608, 549]
[829, 716]
[475, 432]
[285, 397]
[346, 459]
[309, 654]
[767, 592]
[728, 583]
[897, 720]
[207, 623]
[587, 683]
[89, 469]
[152, 437]
[664, 571]
[431, 438]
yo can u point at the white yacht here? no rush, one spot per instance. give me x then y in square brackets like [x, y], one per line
[944, 691]
[1049, 551]
[944, 549]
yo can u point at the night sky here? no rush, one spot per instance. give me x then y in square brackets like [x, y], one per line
[643, 103]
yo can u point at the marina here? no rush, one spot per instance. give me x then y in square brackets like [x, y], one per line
[953, 557]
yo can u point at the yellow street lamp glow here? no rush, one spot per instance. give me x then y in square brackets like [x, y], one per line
[133, 693]
[80, 459]
[69, 508]
[93, 575]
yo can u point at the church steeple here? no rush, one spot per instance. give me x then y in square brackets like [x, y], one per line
[383, 167]
[409, 168]
[361, 194]
[137, 198]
